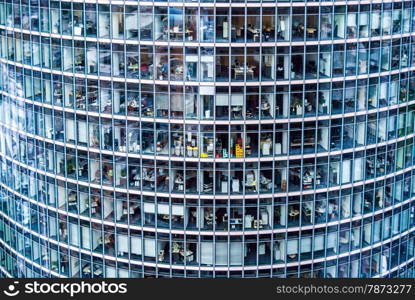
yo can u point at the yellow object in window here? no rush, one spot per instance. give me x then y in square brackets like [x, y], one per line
[239, 151]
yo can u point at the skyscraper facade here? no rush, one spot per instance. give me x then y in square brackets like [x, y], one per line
[207, 139]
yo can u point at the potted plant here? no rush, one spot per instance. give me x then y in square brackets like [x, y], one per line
[54, 265]
[322, 103]
[124, 173]
[284, 185]
[402, 94]
[297, 106]
[322, 100]
[70, 167]
[396, 25]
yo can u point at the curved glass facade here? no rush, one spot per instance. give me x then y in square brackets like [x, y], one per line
[207, 139]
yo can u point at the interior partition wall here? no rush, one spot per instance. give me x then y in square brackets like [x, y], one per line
[207, 139]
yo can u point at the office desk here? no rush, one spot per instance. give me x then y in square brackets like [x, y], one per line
[258, 224]
[237, 111]
[255, 33]
[187, 255]
[235, 221]
[320, 211]
[129, 211]
[266, 183]
[307, 212]
[311, 32]
[180, 184]
[133, 67]
[209, 219]
[293, 214]
[87, 270]
[251, 186]
[98, 272]
[240, 71]
[134, 32]
[174, 33]
[306, 142]
[72, 200]
[307, 181]
[165, 217]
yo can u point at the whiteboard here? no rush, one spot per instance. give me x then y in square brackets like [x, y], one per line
[177, 210]
[221, 253]
[346, 171]
[82, 132]
[192, 58]
[236, 253]
[136, 245]
[149, 208]
[122, 243]
[206, 90]
[86, 239]
[292, 247]
[318, 242]
[163, 209]
[222, 100]
[70, 132]
[332, 240]
[74, 234]
[306, 244]
[358, 168]
[237, 99]
[123, 273]
[150, 247]
[206, 253]
[111, 272]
